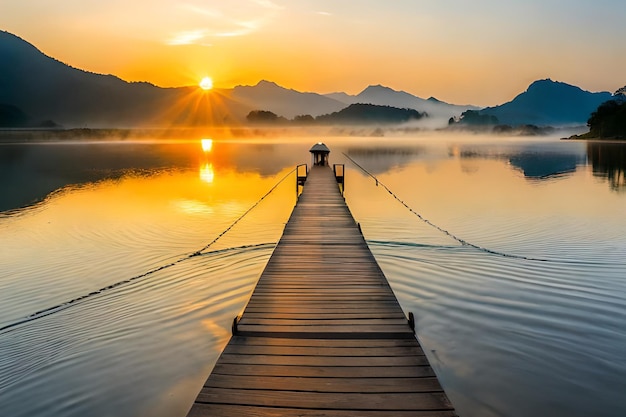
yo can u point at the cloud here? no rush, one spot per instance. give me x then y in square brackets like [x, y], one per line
[268, 4]
[245, 28]
[187, 37]
[221, 19]
[203, 11]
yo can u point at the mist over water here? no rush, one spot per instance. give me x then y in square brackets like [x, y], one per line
[98, 236]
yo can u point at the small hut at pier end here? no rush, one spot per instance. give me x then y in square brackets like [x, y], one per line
[320, 154]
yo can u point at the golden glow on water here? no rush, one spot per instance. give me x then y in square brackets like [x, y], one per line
[207, 173]
[102, 231]
[194, 207]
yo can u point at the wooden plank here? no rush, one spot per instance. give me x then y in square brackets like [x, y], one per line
[323, 400]
[342, 315]
[337, 385]
[339, 321]
[233, 410]
[249, 349]
[344, 361]
[338, 333]
[323, 371]
[322, 334]
[320, 342]
[327, 328]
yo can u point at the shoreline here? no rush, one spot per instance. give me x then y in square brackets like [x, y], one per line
[596, 139]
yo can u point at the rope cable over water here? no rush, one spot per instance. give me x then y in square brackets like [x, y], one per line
[442, 230]
[59, 307]
[244, 214]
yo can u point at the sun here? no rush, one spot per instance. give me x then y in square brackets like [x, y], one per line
[206, 83]
[207, 145]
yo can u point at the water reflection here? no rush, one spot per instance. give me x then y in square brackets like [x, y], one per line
[207, 174]
[544, 166]
[380, 159]
[535, 161]
[494, 327]
[609, 162]
[29, 172]
[86, 257]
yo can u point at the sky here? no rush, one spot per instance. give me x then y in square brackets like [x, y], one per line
[481, 52]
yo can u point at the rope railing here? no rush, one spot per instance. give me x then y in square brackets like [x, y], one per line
[62, 306]
[243, 215]
[440, 229]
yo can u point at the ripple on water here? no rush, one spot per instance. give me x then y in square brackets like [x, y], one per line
[549, 324]
[143, 336]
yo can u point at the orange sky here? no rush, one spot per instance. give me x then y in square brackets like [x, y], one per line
[482, 52]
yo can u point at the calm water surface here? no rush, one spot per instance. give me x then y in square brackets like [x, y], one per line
[104, 312]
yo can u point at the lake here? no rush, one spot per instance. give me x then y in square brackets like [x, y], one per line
[510, 251]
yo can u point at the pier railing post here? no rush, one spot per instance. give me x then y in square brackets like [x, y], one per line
[339, 171]
[300, 178]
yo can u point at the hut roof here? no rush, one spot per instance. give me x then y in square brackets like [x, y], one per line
[319, 147]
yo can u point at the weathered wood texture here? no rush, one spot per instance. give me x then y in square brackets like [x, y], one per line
[323, 334]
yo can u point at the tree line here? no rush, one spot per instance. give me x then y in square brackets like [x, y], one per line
[609, 120]
[353, 114]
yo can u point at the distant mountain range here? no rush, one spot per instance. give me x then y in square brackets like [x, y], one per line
[284, 102]
[385, 96]
[37, 90]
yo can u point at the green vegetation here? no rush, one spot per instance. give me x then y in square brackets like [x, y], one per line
[370, 113]
[607, 122]
[474, 118]
[356, 114]
[304, 119]
[264, 117]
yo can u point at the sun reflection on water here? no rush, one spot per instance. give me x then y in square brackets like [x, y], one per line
[207, 173]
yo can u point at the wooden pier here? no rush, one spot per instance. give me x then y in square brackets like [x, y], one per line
[323, 334]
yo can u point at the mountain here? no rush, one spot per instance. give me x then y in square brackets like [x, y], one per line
[11, 116]
[341, 97]
[548, 102]
[45, 88]
[385, 96]
[285, 102]
[35, 87]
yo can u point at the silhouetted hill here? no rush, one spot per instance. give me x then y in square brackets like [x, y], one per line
[370, 114]
[548, 102]
[11, 116]
[385, 96]
[285, 102]
[45, 88]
